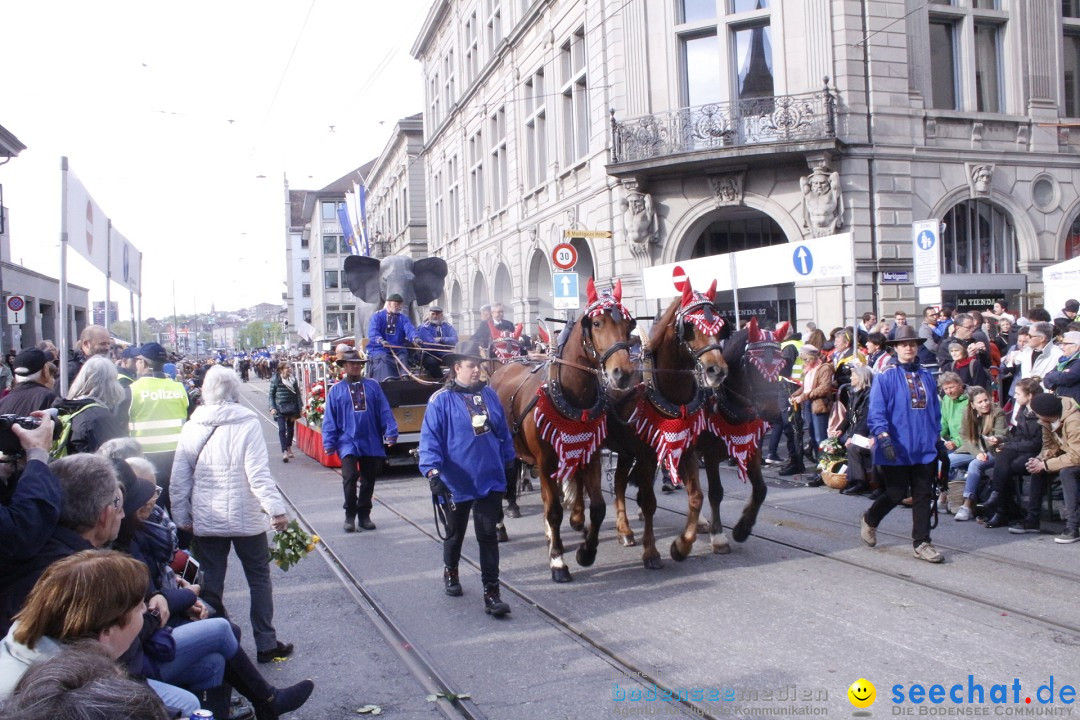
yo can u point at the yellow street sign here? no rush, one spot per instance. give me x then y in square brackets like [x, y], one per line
[586, 233]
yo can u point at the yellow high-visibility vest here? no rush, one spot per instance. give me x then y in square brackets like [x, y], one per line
[797, 367]
[159, 408]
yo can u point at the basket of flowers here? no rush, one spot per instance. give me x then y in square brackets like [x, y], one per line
[832, 463]
[316, 405]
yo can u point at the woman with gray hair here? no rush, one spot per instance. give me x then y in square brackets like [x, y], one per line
[92, 402]
[223, 492]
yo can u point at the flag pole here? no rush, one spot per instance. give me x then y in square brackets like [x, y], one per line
[108, 272]
[137, 333]
[62, 340]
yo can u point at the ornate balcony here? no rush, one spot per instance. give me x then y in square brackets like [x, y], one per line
[805, 118]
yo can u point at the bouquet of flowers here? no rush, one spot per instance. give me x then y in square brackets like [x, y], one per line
[292, 545]
[833, 455]
[315, 407]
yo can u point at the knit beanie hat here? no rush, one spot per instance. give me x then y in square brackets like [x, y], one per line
[1046, 405]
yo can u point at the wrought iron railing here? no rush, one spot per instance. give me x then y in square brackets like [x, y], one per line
[781, 118]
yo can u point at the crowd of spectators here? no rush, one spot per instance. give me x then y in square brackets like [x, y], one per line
[102, 607]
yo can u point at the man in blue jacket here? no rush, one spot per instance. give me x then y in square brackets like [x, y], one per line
[29, 497]
[1064, 380]
[388, 331]
[466, 453]
[905, 419]
[358, 425]
[436, 337]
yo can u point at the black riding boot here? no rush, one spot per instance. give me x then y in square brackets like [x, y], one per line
[512, 474]
[218, 701]
[493, 604]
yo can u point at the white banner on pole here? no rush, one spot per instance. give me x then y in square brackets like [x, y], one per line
[827, 258]
[124, 262]
[87, 225]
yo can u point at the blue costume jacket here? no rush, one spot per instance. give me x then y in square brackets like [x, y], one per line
[914, 430]
[1065, 380]
[347, 431]
[434, 336]
[472, 465]
[378, 333]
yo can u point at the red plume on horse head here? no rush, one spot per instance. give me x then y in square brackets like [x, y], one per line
[687, 293]
[755, 332]
[781, 331]
[590, 289]
[517, 330]
[616, 292]
[711, 294]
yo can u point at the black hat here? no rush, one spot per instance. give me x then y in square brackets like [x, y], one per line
[153, 352]
[905, 333]
[351, 356]
[464, 350]
[395, 298]
[137, 491]
[31, 361]
[1046, 405]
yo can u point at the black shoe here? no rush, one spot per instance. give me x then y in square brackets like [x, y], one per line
[999, 519]
[366, 524]
[792, 469]
[855, 489]
[815, 481]
[350, 525]
[990, 507]
[1025, 526]
[283, 650]
[876, 494]
[285, 700]
[500, 531]
[450, 581]
[493, 604]
[512, 510]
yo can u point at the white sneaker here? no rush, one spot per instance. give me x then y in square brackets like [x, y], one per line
[929, 553]
[964, 513]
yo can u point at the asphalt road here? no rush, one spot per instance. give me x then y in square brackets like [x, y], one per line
[781, 626]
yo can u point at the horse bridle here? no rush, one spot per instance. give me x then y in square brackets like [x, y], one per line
[680, 325]
[618, 311]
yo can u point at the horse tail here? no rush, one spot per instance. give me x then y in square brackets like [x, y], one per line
[571, 489]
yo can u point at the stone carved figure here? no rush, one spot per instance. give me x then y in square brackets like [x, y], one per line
[980, 176]
[823, 204]
[639, 220]
[727, 189]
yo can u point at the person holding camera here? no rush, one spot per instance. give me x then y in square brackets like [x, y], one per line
[905, 419]
[29, 493]
[466, 453]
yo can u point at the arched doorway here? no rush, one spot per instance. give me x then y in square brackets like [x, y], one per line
[455, 305]
[479, 297]
[584, 268]
[979, 256]
[503, 289]
[539, 294]
[734, 229]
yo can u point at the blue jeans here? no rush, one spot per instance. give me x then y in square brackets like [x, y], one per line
[975, 470]
[959, 460]
[202, 647]
[175, 697]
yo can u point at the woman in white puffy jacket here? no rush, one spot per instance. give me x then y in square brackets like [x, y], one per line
[222, 490]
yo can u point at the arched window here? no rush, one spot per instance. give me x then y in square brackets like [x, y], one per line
[978, 239]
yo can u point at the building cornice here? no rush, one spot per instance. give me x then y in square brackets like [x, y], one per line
[431, 23]
[10, 146]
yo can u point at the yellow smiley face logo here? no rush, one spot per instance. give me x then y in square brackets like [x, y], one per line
[862, 693]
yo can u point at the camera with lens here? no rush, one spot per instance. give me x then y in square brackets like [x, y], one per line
[9, 441]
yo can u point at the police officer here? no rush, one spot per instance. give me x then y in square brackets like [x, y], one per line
[159, 408]
[358, 425]
[436, 336]
[466, 453]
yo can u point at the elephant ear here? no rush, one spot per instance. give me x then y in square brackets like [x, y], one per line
[362, 277]
[429, 279]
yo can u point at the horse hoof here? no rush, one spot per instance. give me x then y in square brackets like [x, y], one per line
[627, 540]
[561, 575]
[585, 558]
[741, 532]
[676, 554]
[578, 526]
[720, 545]
[652, 562]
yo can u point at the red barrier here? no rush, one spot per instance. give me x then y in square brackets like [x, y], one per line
[309, 440]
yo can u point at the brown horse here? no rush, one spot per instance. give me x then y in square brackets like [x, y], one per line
[558, 415]
[660, 420]
[737, 418]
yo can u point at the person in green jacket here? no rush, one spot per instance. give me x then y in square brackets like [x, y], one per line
[953, 406]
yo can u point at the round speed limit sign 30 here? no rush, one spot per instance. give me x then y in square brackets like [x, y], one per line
[564, 256]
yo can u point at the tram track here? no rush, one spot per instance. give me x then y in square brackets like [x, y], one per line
[425, 670]
[958, 594]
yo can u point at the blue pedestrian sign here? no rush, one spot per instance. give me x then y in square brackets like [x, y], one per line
[564, 287]
[926, 240]
[803, 260]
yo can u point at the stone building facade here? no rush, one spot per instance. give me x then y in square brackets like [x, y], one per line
[396, 200]
[689, 128]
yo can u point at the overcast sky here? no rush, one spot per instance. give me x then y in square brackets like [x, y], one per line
[170, 112]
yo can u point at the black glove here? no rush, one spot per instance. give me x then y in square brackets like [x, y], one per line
[438, 487]
[887, 448]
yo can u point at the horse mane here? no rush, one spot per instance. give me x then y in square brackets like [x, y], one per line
[663, 323]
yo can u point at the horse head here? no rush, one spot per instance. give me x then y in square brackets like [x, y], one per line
[699, 329]
[606, 325]
[761, 362]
